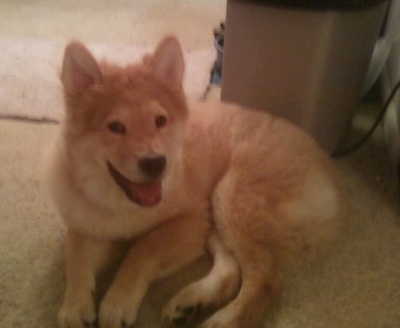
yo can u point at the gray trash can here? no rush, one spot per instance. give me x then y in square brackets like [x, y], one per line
[304, 60]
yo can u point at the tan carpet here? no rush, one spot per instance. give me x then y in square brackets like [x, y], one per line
[357, 287]
[30, 68]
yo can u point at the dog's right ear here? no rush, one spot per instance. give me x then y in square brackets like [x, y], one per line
[167, 62]
[80, 70]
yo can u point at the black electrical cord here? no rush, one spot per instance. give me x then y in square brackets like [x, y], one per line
[359, 143]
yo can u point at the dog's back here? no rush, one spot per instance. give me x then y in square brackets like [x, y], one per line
[276, 166]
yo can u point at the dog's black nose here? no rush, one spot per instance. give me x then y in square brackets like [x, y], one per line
[153, 167]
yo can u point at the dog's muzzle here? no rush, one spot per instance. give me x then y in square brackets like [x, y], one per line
[153, 167]
[146, 194]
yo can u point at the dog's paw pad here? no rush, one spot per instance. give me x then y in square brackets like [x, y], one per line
[180, 321]
[90, 323]
[189, 311]
[182, 315]
[124, 324]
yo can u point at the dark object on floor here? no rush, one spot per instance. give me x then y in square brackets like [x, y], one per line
[216, 72]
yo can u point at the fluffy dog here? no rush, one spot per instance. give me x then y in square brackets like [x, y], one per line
[133, 162]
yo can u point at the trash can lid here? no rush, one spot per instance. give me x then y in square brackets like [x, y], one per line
[320, 4]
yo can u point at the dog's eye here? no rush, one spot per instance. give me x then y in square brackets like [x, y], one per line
[116, 127]
[160, 121]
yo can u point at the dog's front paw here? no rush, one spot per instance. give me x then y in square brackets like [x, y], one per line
[78, 312]
[118, 310]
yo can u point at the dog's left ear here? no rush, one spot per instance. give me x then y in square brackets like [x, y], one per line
[167, 62]
[80, 71]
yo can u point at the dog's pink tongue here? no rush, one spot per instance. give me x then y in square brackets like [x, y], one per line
[146, 194]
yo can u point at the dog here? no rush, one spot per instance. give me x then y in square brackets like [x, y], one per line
[133, 162]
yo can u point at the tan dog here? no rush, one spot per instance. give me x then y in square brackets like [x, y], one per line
[134, 163]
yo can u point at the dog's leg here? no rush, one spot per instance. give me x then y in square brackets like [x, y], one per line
[261, 285]
[161, 251]
[213, 291]
[78, 309]
[257, 240]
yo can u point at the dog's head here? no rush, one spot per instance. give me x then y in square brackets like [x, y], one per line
[128, 122]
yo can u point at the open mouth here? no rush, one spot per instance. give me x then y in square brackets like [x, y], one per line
[144, 194]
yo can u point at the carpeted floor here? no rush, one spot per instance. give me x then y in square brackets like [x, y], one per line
[358, 286]
[29, 74]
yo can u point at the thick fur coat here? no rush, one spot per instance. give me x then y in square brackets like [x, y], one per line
[135, 163]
